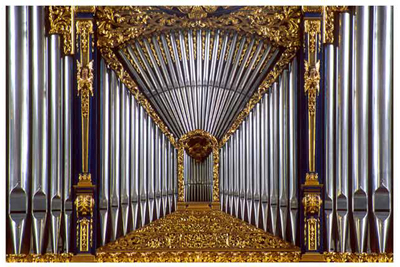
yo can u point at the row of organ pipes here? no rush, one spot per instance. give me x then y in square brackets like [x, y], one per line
[198, 179]
[39, 96]
[138, 176]
[258, 165]
[358, 131]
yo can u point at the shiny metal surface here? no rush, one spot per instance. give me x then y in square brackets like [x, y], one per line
[264, 145]
[143, 174]
[67, 150]
[105, 149]
[293, 148]
[150, 168]
[115, 154]
[360, 110]
[249, 169]
[134, 161]
[283, 151]
[329, 144]
[382, 121]
[342, 128]
[125, 153]
[256, 163]
[274, 156]
[55, 141]
[40, 98]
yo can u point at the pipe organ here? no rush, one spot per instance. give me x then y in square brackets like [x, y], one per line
[199, 133]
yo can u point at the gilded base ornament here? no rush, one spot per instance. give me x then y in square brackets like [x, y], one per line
[48, 257]
[199, 230]
[357, 257]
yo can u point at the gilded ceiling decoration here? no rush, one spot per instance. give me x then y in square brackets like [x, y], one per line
[200, 232]
[164, 55]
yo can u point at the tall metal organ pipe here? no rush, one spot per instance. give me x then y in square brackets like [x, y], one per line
[262, 155]
[363, 100]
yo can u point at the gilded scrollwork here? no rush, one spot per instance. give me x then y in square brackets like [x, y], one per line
[84, 77]
[329, 22]
[61, 22]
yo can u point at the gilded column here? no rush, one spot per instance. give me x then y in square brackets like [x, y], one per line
[85, 189]
[312, 189]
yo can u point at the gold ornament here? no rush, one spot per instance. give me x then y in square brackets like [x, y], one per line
[312, 203]
[84, 205]
[48, 257]
[186, 235]
[357, 257]
[61, 19]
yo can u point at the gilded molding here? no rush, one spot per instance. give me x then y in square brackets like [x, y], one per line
[357, 257]
[48, 257]
[84, 205]
[312, 27]
[198, 231]
[183, 144]
[61, 21]
[313, 230]
[312, 203]
[198, 256]
[85, 179]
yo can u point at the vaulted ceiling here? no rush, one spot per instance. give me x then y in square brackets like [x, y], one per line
[198, 67]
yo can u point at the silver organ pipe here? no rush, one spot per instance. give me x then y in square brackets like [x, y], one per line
[249, 168]
[105, 170]
[39, 129]
[150, 168]
[256, 163]
[143, 167]
[359, 95]
[292, 124]
[283, 152]
[135, 161]
[342, 128]
[55, 141]
[18, 123]
[236, 177]
[329, 144]
[159, 149]
[231, 174]
[115, 154]
[274, 157]
[67, 150]
[242, 185]
[382, 121]
[264, 145]
[125, 112]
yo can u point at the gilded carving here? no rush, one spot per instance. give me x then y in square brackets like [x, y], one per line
[312, 27]
[84, 205]
[185, 143]
[84, 28]
[312, 233]
[191, 230]
[85, 85]
[329, 22]
[311, 84]
[312, 178]
[312, 203]
[48, 257]
[357, 257]
[61, 20]
[198, 256]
